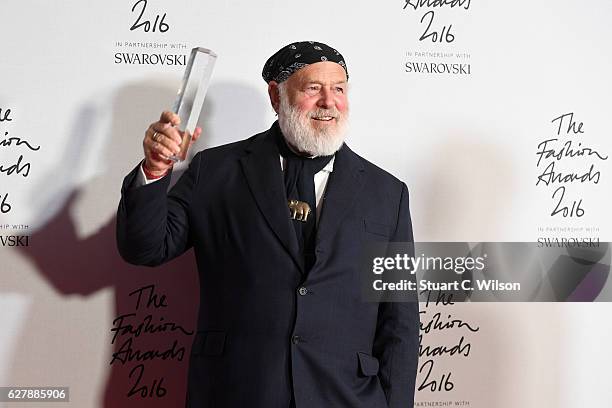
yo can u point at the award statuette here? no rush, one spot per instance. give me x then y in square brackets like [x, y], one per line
[190, 97]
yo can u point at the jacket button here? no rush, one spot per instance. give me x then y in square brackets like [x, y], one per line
[296, 339]
[303, 291]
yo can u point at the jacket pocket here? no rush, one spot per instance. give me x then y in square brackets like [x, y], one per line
[209, 343]
[368, 365]
[377, 228]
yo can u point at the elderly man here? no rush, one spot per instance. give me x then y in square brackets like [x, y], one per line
[278, 222]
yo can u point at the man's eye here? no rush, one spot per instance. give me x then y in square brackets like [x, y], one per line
[339, 89]
[312, 90]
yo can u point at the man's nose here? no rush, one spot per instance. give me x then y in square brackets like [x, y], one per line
[326, 99]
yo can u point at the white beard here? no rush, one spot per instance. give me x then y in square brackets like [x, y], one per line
[302, 136]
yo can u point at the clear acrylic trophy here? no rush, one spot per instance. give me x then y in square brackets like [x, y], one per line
[190, 97]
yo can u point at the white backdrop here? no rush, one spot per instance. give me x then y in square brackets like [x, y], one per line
[465, 144]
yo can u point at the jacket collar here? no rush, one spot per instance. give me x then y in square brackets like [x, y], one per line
[261, 166]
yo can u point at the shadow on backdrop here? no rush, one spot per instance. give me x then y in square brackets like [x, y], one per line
[76, 265]
[469, 189]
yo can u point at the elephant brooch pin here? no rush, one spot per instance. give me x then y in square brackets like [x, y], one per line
[299, 210]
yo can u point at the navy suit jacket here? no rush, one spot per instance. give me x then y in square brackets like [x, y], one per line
[266, 330]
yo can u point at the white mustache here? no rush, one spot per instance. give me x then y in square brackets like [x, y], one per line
[322, 113]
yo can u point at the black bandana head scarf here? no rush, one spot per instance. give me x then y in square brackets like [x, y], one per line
[298, 55]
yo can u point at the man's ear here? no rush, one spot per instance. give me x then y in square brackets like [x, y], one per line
[274, 95]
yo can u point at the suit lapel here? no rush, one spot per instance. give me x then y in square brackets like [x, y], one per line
[343, 186]
[264, 176]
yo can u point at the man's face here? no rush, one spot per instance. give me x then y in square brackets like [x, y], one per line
[313, 108]
[319, 86]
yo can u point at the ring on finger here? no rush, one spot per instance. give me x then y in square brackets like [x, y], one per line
[156, 137]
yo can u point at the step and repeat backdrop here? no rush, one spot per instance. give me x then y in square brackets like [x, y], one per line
[494, 113]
